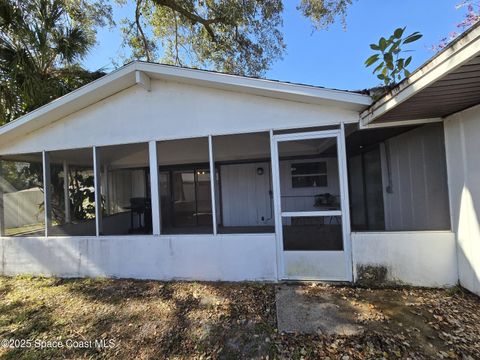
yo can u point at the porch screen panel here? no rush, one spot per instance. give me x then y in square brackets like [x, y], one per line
[72, 193]
[244, 183]
[309, 179]
[22, 196]
[125, 187]
[185, 189]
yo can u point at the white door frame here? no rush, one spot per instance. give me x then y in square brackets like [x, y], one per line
[339, 135]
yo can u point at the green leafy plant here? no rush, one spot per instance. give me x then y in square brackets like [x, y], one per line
[390, 65]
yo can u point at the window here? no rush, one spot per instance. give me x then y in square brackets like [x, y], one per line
[310, 174]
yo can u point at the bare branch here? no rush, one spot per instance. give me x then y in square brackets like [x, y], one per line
[138, 14]
[193, 17]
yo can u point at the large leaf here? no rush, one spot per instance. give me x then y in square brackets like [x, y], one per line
[371, 60]
[413, 37]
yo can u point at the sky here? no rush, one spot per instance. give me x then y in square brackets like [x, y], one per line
[332, 58]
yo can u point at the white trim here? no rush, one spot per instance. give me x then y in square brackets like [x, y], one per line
[213, 180]
[400, 123]
[47, 198]
[277, 205]
[307, 135]
[291, 214]
[98, 191]
[142, 80]
[345, 202]
[154, 188]
[457, 54]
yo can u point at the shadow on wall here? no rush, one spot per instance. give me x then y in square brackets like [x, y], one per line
[468, 235]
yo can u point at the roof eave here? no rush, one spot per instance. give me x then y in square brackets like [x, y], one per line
[457, 53]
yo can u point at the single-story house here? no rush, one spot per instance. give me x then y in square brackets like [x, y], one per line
[161, 172]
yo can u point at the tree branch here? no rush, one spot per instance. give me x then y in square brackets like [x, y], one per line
[138, 14]
[192, 16]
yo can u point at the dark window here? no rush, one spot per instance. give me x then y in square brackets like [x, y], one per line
[311, 174]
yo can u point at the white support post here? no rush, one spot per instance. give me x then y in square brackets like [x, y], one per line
[47, 198]
[154, 187]
[98, 192]
[213, 179]
[345, 202]
[277, 205]
[2, 211]
[66, 193]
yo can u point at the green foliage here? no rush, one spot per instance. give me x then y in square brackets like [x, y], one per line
[239, 37]
[390, 66]
[41, 45]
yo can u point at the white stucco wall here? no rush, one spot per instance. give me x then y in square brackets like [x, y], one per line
[174, 111]
[462, 137]
[420, 258]
[188, 257]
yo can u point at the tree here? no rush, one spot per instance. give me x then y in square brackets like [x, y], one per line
[41, 45]
[471, 17]
[391, 67]
[240, 37]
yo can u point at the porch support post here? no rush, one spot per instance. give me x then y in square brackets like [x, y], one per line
[2, 210]
[47, 192]
[154, 187]
[277, 206]
[343, 173]
[213, 179]
[66, 192]
[98, 192]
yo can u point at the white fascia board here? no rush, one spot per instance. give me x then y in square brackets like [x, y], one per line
[459, 53]
[405, 122]
[269, 88]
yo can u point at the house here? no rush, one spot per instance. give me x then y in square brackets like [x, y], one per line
[161, 172]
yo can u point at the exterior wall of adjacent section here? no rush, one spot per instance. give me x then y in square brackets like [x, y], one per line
[181, 257]
[418, 258]
[462, 137]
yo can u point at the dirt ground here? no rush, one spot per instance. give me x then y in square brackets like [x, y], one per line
[179, 320]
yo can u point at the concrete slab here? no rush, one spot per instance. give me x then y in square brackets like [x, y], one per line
[300, 312]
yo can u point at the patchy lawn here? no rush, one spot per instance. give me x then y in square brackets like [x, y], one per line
[177, 320]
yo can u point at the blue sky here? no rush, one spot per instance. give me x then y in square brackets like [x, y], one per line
[332, 58]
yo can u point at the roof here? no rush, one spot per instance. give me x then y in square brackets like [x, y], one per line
[447, 83]
[140, 73]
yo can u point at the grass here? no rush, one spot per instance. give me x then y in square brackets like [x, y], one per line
[195, 320]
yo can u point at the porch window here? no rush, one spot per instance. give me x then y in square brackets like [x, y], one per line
[243, 185]
[72, 193]
[185, 189]
[398, 179]
[310, 174]
[22, 195]
[125, 187]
